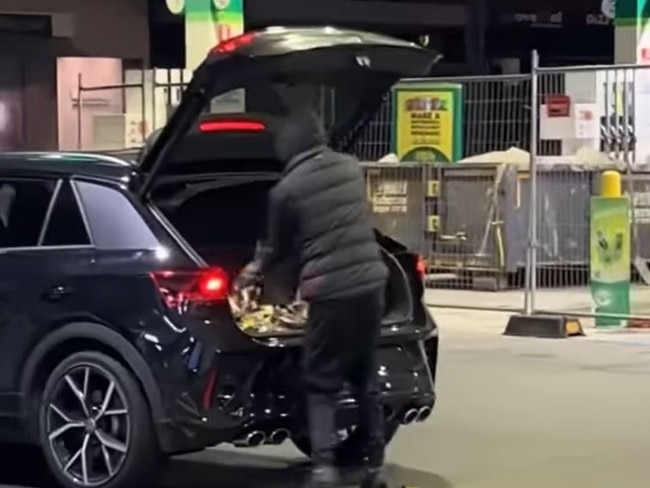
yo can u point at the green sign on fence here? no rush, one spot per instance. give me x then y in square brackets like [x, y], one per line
[427, 122]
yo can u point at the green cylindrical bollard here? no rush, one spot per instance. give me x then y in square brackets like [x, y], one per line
[610, 249]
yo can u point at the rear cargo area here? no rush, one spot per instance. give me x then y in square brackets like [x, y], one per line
[224, 220]
[222, 224]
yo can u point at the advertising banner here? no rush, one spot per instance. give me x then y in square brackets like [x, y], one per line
[427, 122]
[610, 258]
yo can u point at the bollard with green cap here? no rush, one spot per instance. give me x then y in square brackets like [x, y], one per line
[609, 263]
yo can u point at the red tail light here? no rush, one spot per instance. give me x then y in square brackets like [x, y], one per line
[205, 285]
[421, 267]
[233, 43]
[231, 126]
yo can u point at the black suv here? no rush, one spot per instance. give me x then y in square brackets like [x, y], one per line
[118, 343]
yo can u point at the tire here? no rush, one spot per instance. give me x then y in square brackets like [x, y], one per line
[109, 441]
[349, 450]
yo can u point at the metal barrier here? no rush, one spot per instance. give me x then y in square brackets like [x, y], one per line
[496, 116]
[102, 119]
[496, 111]
[110, 117]
[607, 131]
[522, 225]
[519, 225]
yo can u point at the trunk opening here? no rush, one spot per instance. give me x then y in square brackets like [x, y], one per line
[222, 220]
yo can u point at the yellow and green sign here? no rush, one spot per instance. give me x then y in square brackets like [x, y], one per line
[427, 122]
[610, 259]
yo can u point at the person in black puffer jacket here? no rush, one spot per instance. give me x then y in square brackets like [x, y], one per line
[319, 230]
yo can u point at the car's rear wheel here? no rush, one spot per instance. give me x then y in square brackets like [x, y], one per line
[349, 451]
[94, 424]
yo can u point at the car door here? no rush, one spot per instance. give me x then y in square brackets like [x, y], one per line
[44, 241]
[361, 63]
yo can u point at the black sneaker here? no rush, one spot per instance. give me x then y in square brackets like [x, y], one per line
[374, 478]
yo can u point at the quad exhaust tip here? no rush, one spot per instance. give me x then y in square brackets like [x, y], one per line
[278, 436]
[423, 414]
[410, 416]
[252, 439]
[416, 415]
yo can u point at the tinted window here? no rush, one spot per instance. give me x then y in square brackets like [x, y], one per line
[66, 226]
[23, 207]
[114, 222]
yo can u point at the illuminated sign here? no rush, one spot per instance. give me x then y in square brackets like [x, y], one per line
[207, 23]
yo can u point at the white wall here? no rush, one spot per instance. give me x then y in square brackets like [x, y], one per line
[94, 72]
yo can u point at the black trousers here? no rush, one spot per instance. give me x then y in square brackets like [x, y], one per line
[341, 348]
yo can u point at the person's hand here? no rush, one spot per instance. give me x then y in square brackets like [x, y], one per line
[248, 277]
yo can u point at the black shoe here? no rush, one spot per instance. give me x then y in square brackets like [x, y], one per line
[374, 478]
[323, 477]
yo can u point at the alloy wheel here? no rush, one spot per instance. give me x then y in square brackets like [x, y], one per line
[88, 425]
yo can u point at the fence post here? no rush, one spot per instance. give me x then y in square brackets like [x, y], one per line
[79, 110]
[529, 323]
[531, 255]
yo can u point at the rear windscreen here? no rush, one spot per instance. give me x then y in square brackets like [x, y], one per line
[223, 151]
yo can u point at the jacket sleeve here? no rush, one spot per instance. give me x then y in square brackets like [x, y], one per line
[281, 229]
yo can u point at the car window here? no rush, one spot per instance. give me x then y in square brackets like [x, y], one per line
[23, 207]
[113, 221]
[66, 226]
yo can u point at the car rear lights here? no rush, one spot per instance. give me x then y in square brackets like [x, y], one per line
[421, 267]
[231, 126]
[233, 43]
[199, 286]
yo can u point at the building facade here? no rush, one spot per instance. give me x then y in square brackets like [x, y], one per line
[51, 43]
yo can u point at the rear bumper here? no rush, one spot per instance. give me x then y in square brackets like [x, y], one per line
[262, 391]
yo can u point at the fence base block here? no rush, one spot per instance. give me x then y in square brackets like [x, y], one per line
[544, 326]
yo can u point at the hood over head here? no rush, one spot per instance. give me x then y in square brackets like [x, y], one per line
[297, 127]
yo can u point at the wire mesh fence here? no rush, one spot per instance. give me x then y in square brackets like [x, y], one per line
[517, 221]
[584, 261]
[496, 116]
[103, 121]
[574, 251]
[522, 222]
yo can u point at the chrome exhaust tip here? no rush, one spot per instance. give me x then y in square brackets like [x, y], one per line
[252, 439]
[278, 436]
[423, 414]
[410, 416]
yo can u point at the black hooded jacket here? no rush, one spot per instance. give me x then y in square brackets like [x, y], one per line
[319, 232]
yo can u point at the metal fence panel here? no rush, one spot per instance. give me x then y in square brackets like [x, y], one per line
[602, 132]
[496, 116]
[103, 121]
[472, 221]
